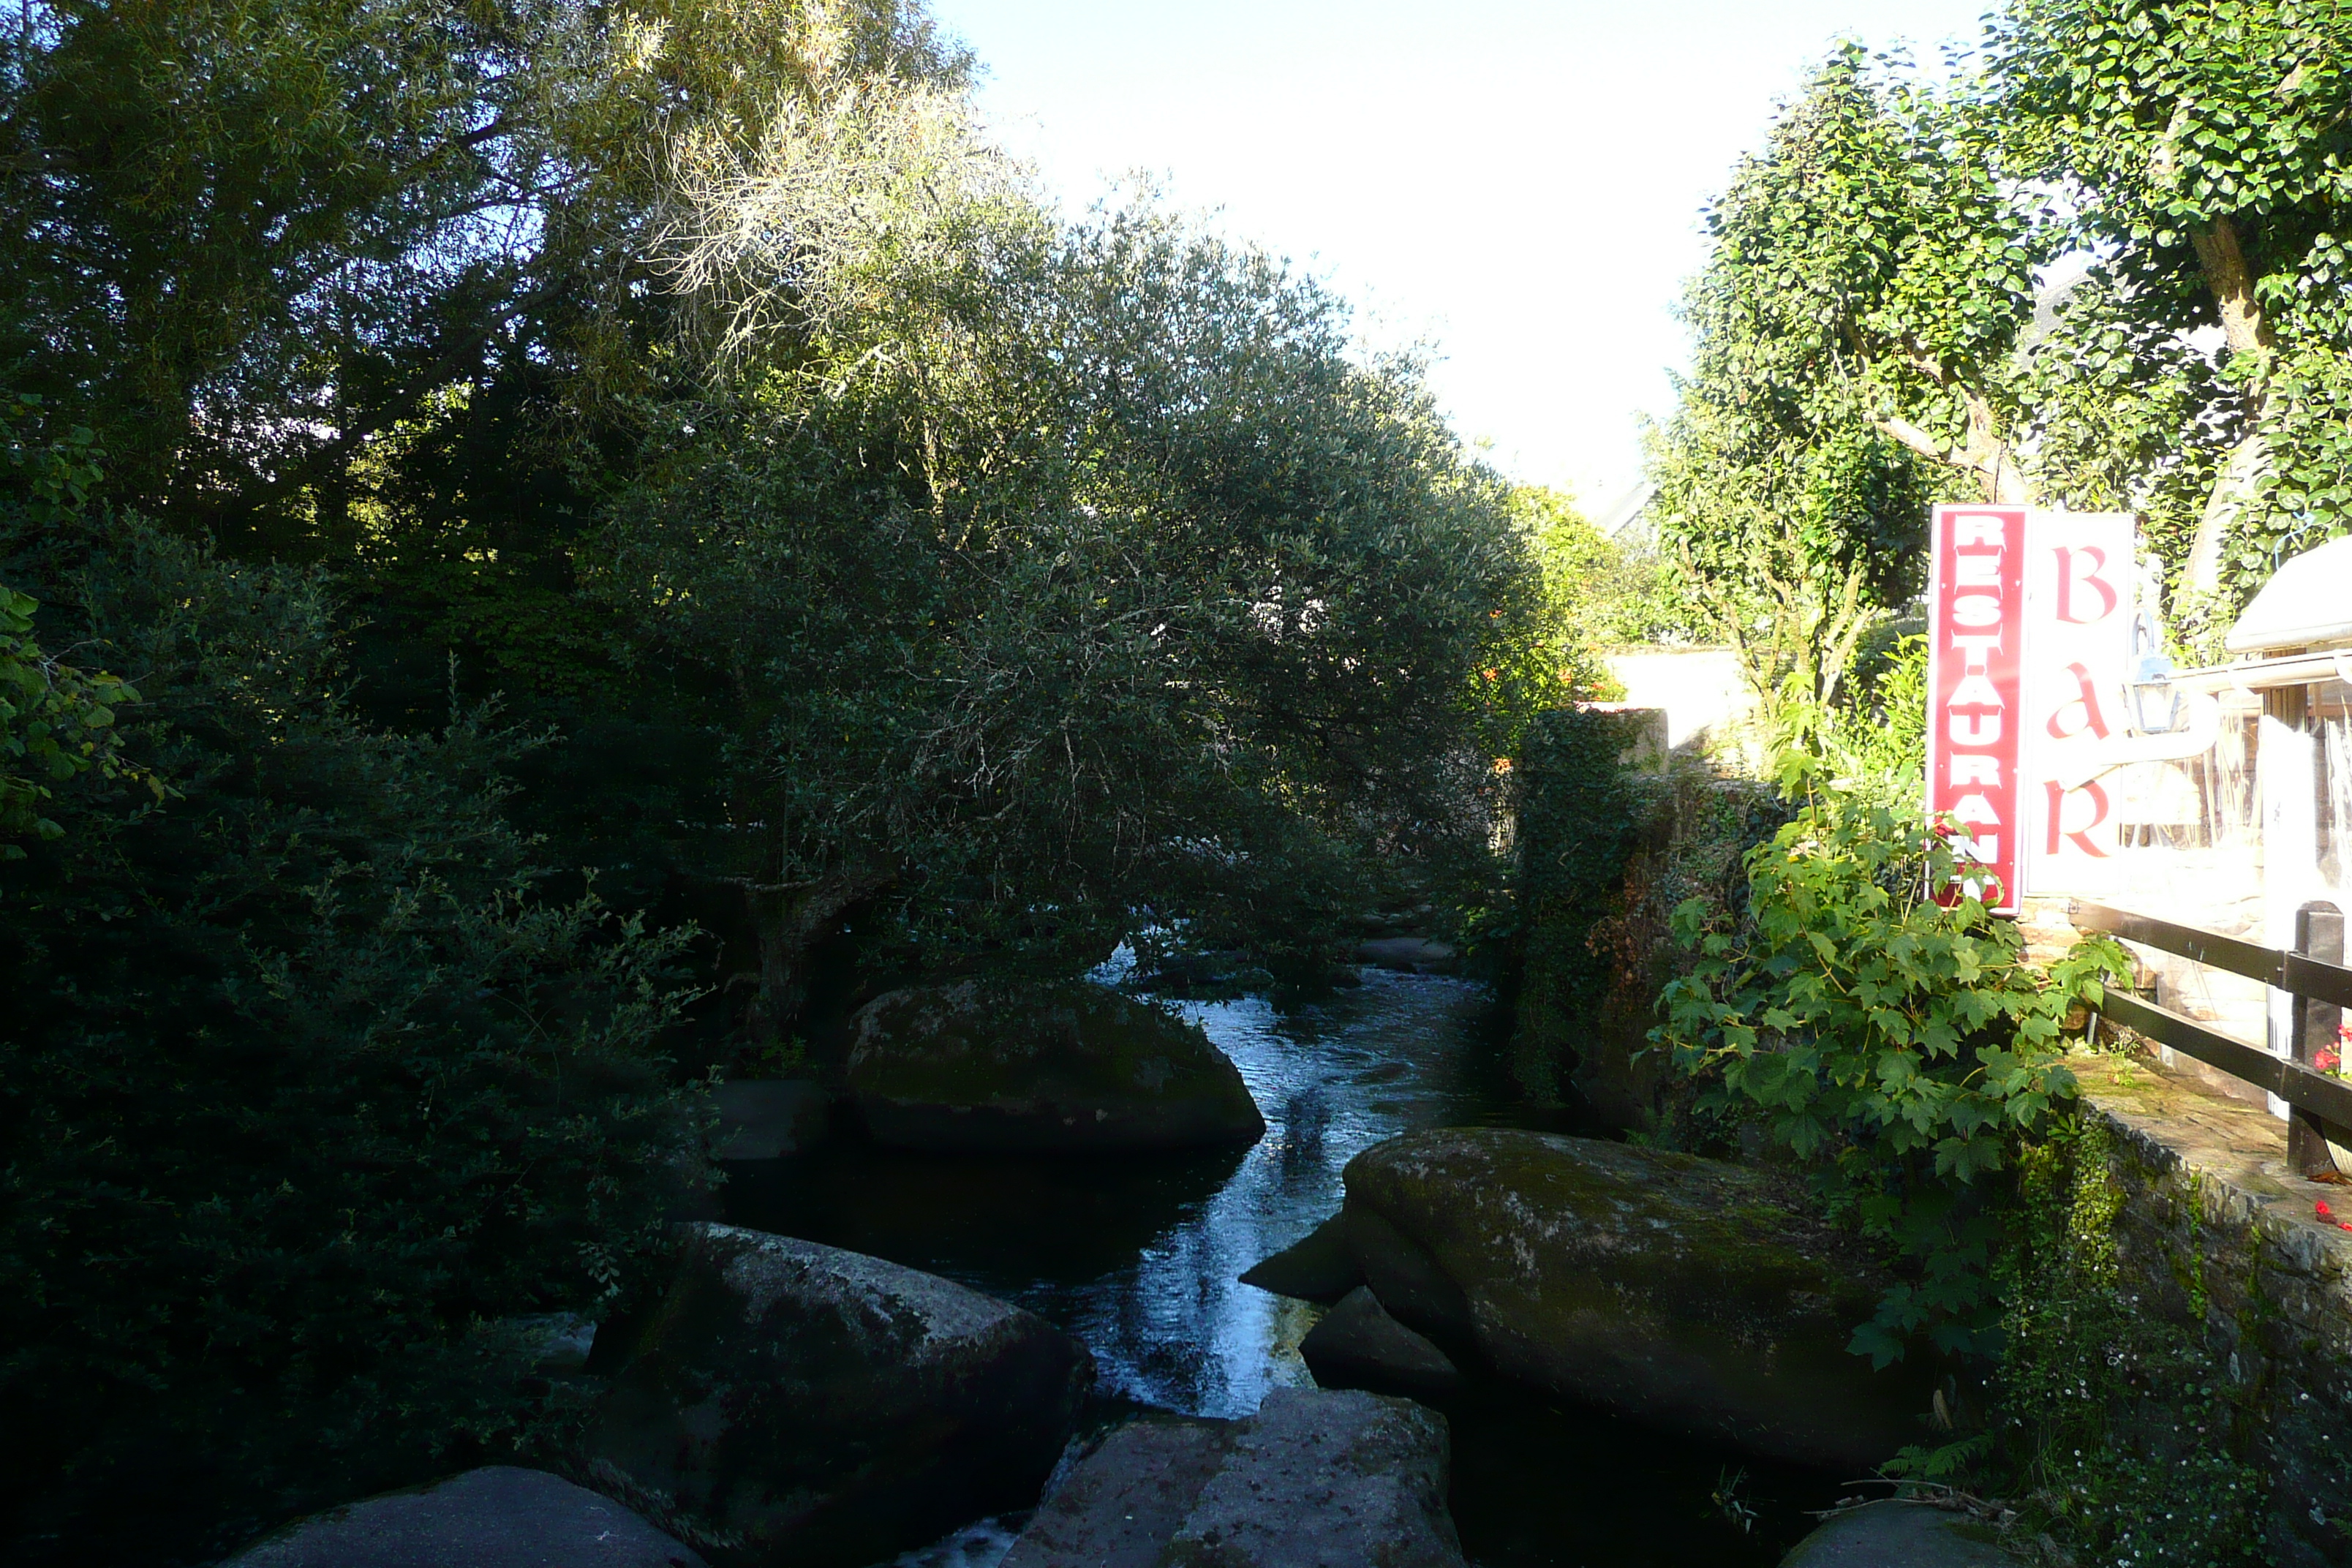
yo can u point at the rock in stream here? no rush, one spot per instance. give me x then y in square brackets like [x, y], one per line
[1899, 1535]
[1359, 1345]
[1047, 1069]
[499, 1515]
[1686, 1293]
[1315, 1479]
[797, 1403]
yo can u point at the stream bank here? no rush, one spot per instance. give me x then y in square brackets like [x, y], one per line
[1139, 1257]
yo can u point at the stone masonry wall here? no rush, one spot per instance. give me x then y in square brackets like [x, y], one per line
[2217, 1235]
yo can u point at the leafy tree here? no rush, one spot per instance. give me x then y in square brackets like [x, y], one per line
[2200, 150]
[759, 315]
[1084, 573]
[242, 238]
[1597, 591]
[1867, 274]
[1870, 337]
[867, 556]
[57, 720]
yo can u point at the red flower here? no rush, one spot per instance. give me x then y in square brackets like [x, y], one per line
[2322, 1210]
[2344, 1225]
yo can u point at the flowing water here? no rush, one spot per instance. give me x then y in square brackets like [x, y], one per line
[1138, 1256]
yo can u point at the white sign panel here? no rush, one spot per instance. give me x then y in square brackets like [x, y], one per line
[2030, 639]
[2079, 581]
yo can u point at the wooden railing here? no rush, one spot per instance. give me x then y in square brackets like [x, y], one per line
[2318, 1103]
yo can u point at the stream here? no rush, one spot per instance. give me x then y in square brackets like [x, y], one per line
[1138, 1256]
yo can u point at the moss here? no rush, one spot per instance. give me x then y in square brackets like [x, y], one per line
[1684, 1290]
[1707, 1228]
[2125, 1435]
[1581, 818]
[967, 1046]
[1070, 1069]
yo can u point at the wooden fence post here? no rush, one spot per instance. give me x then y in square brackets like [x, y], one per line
[2318, 933]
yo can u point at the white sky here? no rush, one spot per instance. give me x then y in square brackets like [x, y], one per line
[1519, 183]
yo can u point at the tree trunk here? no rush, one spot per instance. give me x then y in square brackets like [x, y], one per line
[2248, 333]
[2232, 282]
[1986, 455]
[2232, 491]
[789, 918]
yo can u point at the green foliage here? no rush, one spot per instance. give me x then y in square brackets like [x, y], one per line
[1874, 743]
[1582, 816]
[244, 237]
[2009, 287]
[1607, 851]
[55, 721]
[1898, 1047]
[880, 572]
[1866, 273]
[305, 1092]
[1598, 592]
[886, 553]
[1106, 582]
[2115, 1431]
[2199, 151]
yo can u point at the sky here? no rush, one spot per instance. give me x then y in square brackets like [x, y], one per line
[1519, 185]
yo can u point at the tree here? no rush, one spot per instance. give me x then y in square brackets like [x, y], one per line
[242, 238]
[2166, 171]
[1597, 591]
[2199, 151]
[1065, 585]
[56, 720]
[1852, 328]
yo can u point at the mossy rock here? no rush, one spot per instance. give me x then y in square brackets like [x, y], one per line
[1066, 1069]
[1689, 1294]
[501, 1516]
[800, 1404]
[1913, 1534]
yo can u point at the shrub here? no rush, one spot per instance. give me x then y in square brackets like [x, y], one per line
[1606, 854]
[302, 1094]
[1896, 1045]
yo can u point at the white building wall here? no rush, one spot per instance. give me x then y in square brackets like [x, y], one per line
[1700, 689]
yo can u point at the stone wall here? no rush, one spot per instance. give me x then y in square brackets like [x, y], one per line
[2216, 1235]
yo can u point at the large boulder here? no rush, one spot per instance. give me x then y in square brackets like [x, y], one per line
[496, 1517]
[1359, 1345]
[1688, 1293]
[1318, 1267]
[1315, 1479]
[770, 1119]
[1119, 1502]
[809, 1405]
[1899, 1535]
[1048, 1070]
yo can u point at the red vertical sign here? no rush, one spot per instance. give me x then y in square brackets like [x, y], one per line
[1975, 629]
